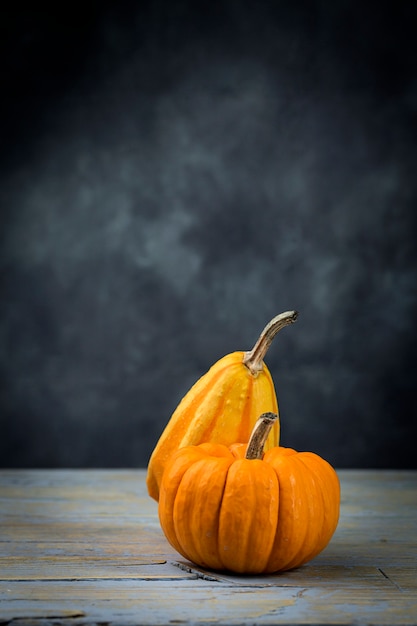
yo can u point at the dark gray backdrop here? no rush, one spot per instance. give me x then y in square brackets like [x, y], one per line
[173, 175]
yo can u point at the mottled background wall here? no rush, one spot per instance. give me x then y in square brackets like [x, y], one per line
[173, 174]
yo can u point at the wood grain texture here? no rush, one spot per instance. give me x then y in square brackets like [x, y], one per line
[80, 547]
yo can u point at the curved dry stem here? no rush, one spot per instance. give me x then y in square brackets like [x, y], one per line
[254, 358]
[260, 432]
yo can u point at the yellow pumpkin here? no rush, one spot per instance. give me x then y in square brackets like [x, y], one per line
[240, 510]
[223, 405]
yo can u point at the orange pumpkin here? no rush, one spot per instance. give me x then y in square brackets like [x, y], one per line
[240, 510]
[223, 405]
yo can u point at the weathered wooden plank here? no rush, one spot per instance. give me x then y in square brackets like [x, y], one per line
[85, 546]
[84, 542]
[143, 603]
[79, 492]
[148, 547]
[64, 567]
[119, 486]
[42, 616]
[405, 578]
[67, 531]
[313, 574]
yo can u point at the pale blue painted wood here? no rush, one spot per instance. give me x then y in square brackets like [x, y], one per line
[80, 547]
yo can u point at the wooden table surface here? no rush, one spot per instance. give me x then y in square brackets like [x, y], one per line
[80, 547]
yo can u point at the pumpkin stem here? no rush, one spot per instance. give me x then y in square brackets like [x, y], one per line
[260, 432]
[254, 358]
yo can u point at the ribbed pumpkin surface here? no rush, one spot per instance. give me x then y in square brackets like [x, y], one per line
[225, 512]
[221, 407]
